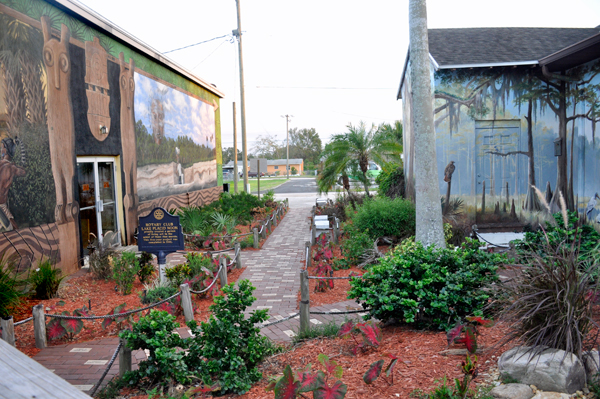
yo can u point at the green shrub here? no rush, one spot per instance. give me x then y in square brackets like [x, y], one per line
[355, 243]
[391, 181]
[384, 217]
[10, 287]
[165, 364]
[240, 206]
[101, 262]
[177, 274]
[429, 287]
[227, 349]
[247, 242]
[146, 269]
[45, 279]
[158, 294]
[124, 270]
[269, 196]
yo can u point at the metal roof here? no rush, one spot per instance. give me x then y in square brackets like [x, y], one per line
[102, 24]
[284, 162]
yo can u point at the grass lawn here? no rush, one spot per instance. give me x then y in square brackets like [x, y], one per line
[266, 183]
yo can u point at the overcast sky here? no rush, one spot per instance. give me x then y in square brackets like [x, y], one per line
[326, 62]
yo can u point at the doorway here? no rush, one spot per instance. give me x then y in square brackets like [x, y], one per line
[97, 201]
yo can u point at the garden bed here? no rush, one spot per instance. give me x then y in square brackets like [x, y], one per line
[81, 289]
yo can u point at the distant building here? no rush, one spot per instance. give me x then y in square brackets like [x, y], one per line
[278, 165]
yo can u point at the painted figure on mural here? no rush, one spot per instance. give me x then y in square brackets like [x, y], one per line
[61, 130]
[8, 171]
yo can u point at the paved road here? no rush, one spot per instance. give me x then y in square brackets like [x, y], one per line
[298, 185]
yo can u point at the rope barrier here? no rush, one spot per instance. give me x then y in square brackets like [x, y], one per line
[24, 321]
[280, 321]
[113, 316]
[222, 250]
[216, 237]
[211, 284]
[332, 278]
[262, 226]
[347, 312]
[112, 360]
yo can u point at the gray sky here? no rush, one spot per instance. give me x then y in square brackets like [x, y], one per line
[326, 62]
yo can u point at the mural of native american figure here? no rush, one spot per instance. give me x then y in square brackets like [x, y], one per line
[60, 121]
[97, 90]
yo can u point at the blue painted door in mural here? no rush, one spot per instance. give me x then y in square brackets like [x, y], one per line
[496, 171]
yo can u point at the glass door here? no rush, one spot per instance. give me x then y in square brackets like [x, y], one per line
[97, 199]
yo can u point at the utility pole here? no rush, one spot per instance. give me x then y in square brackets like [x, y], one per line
[238, 33]
[287, 135]
[235, 165]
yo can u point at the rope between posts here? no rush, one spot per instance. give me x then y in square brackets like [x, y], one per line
[332, 278]
[24, 321]
[280, 321]
[112, 360]
[262, 226]
[347, 312]
[211, 284]
[213, 237]
[113, 316]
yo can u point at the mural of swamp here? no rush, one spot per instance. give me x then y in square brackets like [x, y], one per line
[502, 131]
[175, 141]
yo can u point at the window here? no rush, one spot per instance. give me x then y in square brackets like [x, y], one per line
[276, 167]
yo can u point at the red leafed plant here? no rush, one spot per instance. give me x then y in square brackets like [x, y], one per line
[323, 259]
[294, 384]
[369, 331]
[59, 328]
[375, 370]
[469, 328]
[120, 319]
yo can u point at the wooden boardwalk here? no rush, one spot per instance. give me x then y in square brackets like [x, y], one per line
[23, 377]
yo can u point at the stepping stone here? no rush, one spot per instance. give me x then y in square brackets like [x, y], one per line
[81, 350]
[96, 362]
[289, 333]
[315, 321]
[83, 387]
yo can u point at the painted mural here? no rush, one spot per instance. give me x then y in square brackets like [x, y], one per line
[70, 94]
[175, 135]
[504, 131]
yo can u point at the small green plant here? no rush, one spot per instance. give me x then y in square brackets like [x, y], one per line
[227, 349]
[328, 330]
[165, 364]
[370, 332]
[146, 268]
[124, 271]
[355, 243]
[112, 389]
[10, 287]
[101, 262]
[45, 279]
[269, 196]
[247, 242]
[178, 273]
[293, 170]
[158, 294]
[294, 383]
[469, 329]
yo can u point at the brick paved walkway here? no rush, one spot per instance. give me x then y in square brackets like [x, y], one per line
[273, 270]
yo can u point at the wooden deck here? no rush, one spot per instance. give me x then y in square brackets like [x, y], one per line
[23, 377]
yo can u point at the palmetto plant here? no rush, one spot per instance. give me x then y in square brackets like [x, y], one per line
[193, 221]
[352, 151]
[221, 221]
[10, 287]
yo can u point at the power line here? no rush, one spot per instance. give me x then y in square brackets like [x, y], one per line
[195, 44]
[325, 88]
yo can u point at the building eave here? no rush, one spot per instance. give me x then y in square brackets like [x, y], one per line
[489, 65]
[105, 26]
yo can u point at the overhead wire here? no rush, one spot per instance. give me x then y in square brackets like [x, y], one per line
[196, 44]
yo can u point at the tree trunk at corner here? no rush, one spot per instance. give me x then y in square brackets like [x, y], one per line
[427, 192]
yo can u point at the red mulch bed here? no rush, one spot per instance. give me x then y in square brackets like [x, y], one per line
[82, 288]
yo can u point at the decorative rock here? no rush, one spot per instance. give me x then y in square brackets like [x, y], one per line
[549, 370]
[512, 391]
[591, 360]
[551, 395]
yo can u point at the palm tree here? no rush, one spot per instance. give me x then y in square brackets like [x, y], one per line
[352, 151]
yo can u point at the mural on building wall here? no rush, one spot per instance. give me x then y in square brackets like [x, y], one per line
[175, 136]
[508, 130]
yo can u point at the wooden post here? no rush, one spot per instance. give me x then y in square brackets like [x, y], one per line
[255, 232]
[223, 272]
[275, 214]
[304, 302]
[39, 326]
[313, 232]
[308, 255]
[186, 302]
[8, 330]
[263, 233]
[269, 225]
[238, 255]
[124, 359]
[336, 231]
[287, 203]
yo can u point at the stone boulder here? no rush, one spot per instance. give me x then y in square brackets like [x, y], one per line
[591, 362]
[547, 369]
[512, 391]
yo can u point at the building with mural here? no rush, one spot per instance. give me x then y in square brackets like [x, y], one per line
[514, 109]
[96, 129]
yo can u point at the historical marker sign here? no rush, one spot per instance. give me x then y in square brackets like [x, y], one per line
[160, 233]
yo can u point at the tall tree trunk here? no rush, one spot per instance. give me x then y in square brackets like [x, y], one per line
[532, 202]
[570, 192]
[428, 211]
[34, 91]
[561, 161]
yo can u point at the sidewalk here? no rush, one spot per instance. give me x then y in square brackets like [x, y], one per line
[273, 270]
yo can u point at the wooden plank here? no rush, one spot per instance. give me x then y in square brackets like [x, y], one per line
[23, 377]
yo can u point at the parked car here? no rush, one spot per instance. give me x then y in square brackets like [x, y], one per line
[227, 176]
[254, 174]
